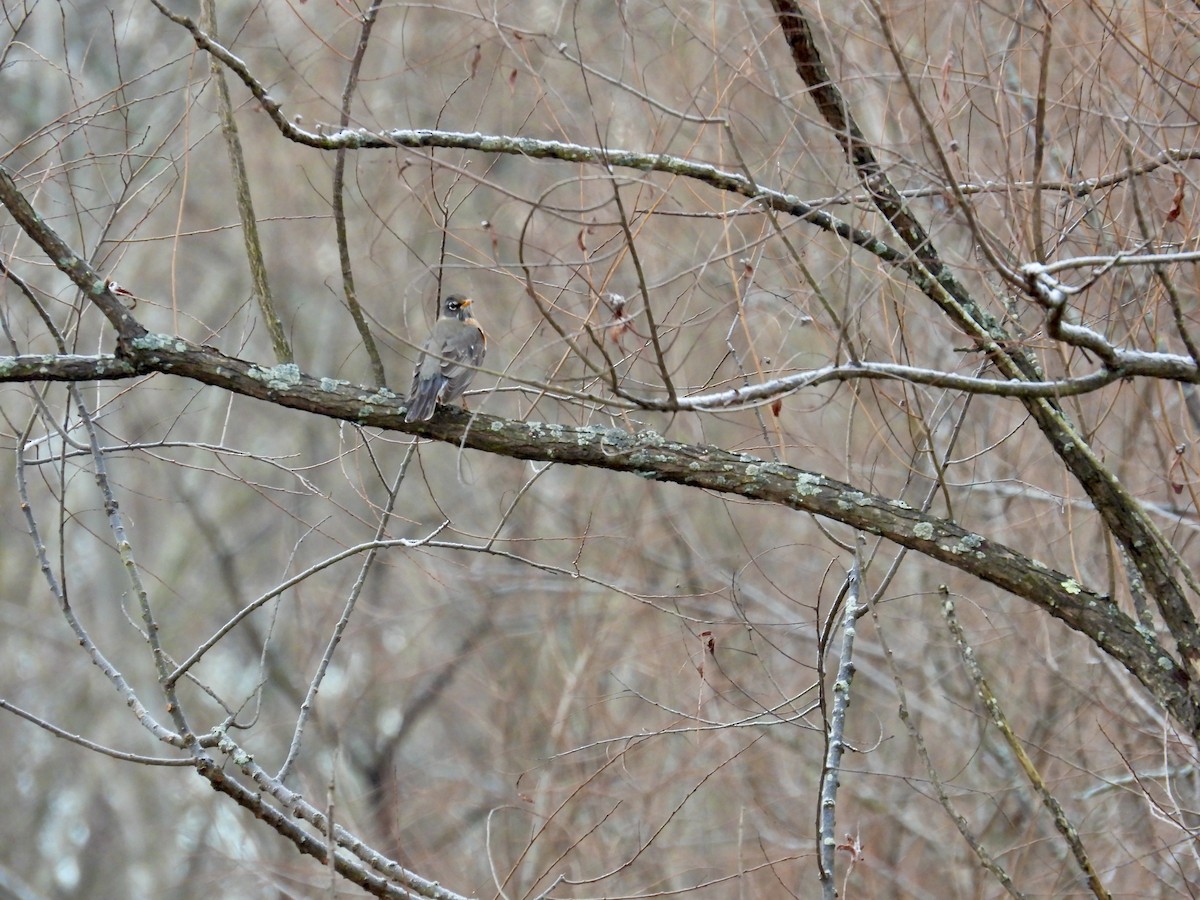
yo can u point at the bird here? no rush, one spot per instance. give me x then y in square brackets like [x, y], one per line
[448, 360]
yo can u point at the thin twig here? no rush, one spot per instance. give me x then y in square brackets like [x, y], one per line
[996, 713]
[245, 203]
[335, 638]
[92, 745]
[339, 201]
[1039, 139]
[648, 307]
[246, 610]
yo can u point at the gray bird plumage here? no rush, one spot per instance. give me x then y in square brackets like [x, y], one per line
[448, 359]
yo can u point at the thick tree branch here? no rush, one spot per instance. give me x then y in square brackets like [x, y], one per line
[654, 458]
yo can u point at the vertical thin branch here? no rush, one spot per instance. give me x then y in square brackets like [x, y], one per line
[635, 257]
[651, 324]
[1162, 273]
[330, 841]
[339, 202]
[1039, 140]
[241, 186]
[834, 741]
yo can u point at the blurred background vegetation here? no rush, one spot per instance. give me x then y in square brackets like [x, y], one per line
[540, 702]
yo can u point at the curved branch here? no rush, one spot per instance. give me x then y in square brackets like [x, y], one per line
[533, 148]
[122, 755]
[1124, 364]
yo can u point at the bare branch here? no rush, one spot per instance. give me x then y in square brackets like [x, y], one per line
[338, 201]
[86, 278]
[835, 731]
[241, 185]
[92, 745]
[996, 713]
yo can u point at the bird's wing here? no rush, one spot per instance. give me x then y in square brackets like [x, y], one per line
[461, 360]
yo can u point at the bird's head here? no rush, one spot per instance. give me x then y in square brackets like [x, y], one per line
[457, 306]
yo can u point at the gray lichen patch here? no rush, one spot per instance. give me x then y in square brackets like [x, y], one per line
[969, 543]
[11, 365]
[808, 484]
[381, 395]
[154, 342]
[277, 378]
[650, 438]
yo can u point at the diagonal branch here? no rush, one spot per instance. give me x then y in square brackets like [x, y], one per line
[995, 712]
[87, 279]
[651, 456]
[654, 458]
[858, 150]
[1156, 561]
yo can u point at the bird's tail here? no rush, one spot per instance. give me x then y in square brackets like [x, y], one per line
[423, 400]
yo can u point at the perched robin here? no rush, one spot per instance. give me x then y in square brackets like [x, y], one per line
[448, 359]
